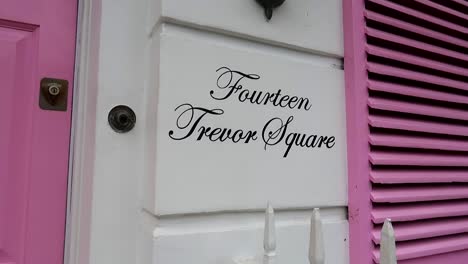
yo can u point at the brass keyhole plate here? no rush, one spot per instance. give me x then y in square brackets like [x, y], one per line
[53, 94]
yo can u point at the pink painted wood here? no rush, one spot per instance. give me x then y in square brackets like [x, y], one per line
[414, 43]
[421, 15]
[405, 194]
[417, 125]
[430, 247]
[427, 229]
[359, 202]
[458, 257]
[37, 39]
[414, 28]
[444, 9]
[401, 140]
[419, 142]
[461, 2]
[415, 60]
[422, 176]
[417, 159]
[411, 212]
[417, 108]
[417, 76]
[416, 92]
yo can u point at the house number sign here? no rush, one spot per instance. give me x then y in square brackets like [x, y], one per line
[232, 124]
[239, 86]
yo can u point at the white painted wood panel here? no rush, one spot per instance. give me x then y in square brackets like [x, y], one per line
[313, 25]
[190, 175]
[225, 238]
[113, 166]
[120, 230]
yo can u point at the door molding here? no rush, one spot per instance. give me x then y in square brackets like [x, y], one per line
[82, 147]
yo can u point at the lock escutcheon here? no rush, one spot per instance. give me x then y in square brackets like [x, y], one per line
[53, 94]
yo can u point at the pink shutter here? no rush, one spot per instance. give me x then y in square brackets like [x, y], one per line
[406, 65]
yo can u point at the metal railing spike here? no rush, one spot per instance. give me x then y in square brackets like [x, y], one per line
[269, 238]
[387, 244]
[316, 247]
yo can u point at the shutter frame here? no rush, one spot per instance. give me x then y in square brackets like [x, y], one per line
[359, 188]
[407, 157]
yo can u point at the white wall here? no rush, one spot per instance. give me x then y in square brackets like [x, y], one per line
[118, 166]
[126, 227]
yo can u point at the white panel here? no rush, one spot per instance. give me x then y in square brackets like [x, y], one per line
[196, 243]
[199, 176]
[118, 158]
[308, 24]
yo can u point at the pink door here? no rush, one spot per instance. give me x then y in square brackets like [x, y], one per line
[37, 40]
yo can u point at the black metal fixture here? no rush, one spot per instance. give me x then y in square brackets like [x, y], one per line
[122, 119]
[269, 5]
[53, 95]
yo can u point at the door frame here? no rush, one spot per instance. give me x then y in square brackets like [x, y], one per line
[105, 219]
[81, 158]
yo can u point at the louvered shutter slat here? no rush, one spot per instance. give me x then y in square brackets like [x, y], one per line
[414, 43]
[416, 76]
[405, 194]
[401, 176]
[392, 122]
[414, 28]
[416, 159]
[415, 60]
[418, 142]
[461, 2]
[419, 211]
[416, 92]
[420, 15]
[443, 9]
[430, 247]
[425, 229]
[417, 108]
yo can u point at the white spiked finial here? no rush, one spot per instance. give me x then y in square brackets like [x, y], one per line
[387, 244]
[316, 248]
[269, 239]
